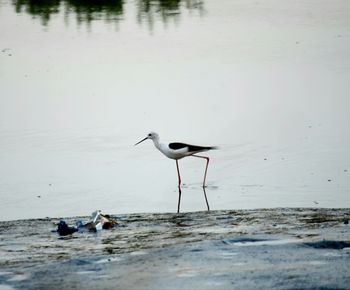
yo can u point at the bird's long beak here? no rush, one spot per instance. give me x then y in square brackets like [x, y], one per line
[141, 141]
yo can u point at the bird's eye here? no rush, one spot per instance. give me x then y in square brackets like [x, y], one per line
[149, 135]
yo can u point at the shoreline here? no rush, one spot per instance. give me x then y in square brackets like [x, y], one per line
[298, 208]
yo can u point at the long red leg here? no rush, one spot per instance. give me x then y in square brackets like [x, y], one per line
[205, 177]
[206, 167]
[179, 185]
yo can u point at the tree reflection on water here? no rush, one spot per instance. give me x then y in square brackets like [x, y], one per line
[85, 10]
[42, 8]
[107, 10]
[149, 10]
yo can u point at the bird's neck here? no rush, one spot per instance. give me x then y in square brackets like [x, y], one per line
[157, 144]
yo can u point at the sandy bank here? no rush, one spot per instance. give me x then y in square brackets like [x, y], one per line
[266, 248]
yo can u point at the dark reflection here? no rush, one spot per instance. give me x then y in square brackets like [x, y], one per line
[109, 10]
[179, 199]
[85, 10]
[43, 9]
[150, 10]
[88, 10]
[205, 197]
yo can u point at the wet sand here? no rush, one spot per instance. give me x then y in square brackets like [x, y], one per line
[281, 248]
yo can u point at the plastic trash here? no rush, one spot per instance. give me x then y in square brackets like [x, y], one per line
[98, 222]
[98, 227]
[88, 227]
[107, 222]
[63, 229]
[95, 215]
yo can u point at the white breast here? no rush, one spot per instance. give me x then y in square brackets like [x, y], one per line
[171, 153]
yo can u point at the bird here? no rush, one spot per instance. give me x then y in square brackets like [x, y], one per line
[176, 151]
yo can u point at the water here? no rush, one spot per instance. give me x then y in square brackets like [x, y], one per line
[80, 83]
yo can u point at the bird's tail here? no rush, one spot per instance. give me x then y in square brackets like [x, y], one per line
[213, 148]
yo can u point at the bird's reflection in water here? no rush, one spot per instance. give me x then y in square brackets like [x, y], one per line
[180, 193]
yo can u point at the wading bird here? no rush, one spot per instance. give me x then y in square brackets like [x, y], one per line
[177, 151]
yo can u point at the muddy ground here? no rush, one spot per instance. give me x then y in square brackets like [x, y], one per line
[281, 248]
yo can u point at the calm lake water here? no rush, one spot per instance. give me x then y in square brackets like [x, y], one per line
[82, 81]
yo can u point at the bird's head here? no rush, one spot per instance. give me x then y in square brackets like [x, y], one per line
[153, 136]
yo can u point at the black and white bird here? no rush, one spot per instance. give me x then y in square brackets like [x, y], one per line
[177, 151]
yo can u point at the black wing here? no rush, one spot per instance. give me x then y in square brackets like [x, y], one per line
[191, 148]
